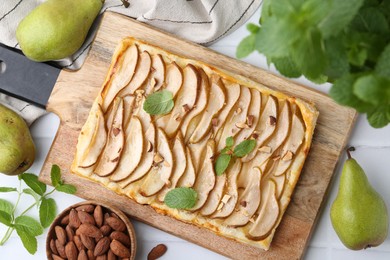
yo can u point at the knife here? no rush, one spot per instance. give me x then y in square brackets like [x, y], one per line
[25, 79]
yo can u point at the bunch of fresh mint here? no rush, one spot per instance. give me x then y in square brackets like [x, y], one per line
[346, 43]
[27, 227]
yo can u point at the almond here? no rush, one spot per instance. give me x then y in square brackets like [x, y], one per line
[86, 218]
[74, 220]
[69, 233]
[157, 252]
[56, 257]
[101, 257]
[79, 244]
[65, 220]
[106, 230]
[87, 208]
[272, 120]
[53, 247]
[90, 255]
[119, 249]
[214, 121]
[114, 215]
[71, 251]
[288, 156]
[82, 255]
[111, 255]
[106, 216]
[102, 246]
[98, 215]
[116, 224]
[121, 237]
[250, 119]
[89, 230]
[60, 249]
[60, 234]
[88, 242]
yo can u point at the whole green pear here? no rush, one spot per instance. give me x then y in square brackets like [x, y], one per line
[56, 28]
[359, 215]
[17, 149]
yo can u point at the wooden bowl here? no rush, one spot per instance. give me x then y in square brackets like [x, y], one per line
[130, 229]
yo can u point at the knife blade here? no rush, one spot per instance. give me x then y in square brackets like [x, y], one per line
[25, 79]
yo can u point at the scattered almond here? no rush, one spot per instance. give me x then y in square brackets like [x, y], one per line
[226, 198]
[220, 206]
[243, 203]
[158, 158]
[186, 108]
[238, 110]
[275, 158]
[102, 246]
[265, 149]
[116, 131]
[157, 252]
[272, 120]
[166, 164]
[119, 249]
[71, 251]
[241, 125]
[250, 119]
[214, 121]
[288, 156]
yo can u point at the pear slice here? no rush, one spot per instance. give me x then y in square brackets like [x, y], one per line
[132, 151]
[252, 118]
[198, 151]
[123, 73]
[294, 141]
[248, 201]
[180, 164]
[217, 102]
[279, 181]
[158, 71]
[237, 115]
[110, 114]
[113, 150]
[188, 177]
[128, 106]
[230, 190]
[141, 74]
[265, 127]
[173, 79]
[185, 101]
[91, 143]
[201, 102]
[159, 175]
[205, 180]
[214, 197]
[268, 214]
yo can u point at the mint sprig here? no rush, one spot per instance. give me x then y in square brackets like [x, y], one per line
[159, 103]
[181, 198]
[27, 227]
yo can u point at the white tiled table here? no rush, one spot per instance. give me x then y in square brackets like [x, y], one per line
[373, 153]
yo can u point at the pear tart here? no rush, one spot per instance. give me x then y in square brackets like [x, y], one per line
[144, 156]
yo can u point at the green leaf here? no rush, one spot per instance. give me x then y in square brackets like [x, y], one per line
[181, 198]
[340, 14]
[357, 55]
[244, 148]
[337, 59]
[252, 28]
[222, 163]
[66, 188]
[33, 194]
[372, 89]
[32, 181]
[7, 189]
[286, 67]
[28, 225]
[383, 66]
[55, 175]
[5, 218]
[246, 46]
[47, 212]
[379, 117]
[159, 103]
[6, 206]
[29, 241]
[229, 141]
[370, 20]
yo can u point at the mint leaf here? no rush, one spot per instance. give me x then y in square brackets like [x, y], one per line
[222, 163]
[229, 141]
[379, 117]
[32, 181]
[372, 89]
[357, 55]
[159, 103]
[55, 175]
[5, 218]
[370, 20]
[383, 66]
[252, 28]
[287, 67]
[244, 148]
[246, 46]
[33, 194]
[29, 241]
[28, 225]
[6, 206]
[7, 189]
[337, 59]
[47, 212]
[181, 198]
[66, 188]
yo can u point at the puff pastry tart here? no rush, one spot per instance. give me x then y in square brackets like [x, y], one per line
[145, 156]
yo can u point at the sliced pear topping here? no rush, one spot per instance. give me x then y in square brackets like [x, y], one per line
[112, 151]
[158, 71]
[205, 180]
[198, 151]
[248, 201]
[123, 74]
[200, 104]
[141, 74]
[265, 127]
[214, 198]
[180, 161]
[217, 102]
[230, 190]
[294, 141]
[174, 79]
[89, 148]
[159, 175]
[279, 181]
[238, 114]
[132, 151]
[267, 215]
[128, 106]
[188, 177]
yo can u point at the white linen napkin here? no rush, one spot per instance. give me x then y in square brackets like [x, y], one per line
[200, 21]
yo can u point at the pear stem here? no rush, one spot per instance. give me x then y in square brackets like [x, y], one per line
[349, 150]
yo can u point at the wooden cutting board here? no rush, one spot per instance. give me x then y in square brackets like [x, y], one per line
[74, 93]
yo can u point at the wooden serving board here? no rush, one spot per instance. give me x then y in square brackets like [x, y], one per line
[74, 93]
